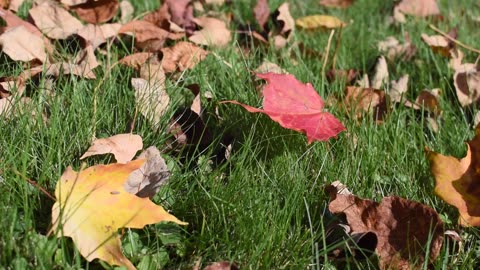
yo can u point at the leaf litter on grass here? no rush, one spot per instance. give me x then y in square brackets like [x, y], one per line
[167, 46]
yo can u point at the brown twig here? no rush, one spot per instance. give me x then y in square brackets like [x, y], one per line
[35, 184]
[453, 40]
[337, 46]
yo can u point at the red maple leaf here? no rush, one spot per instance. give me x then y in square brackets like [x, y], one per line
[296, 106]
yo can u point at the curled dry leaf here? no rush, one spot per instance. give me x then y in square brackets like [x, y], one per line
[398, 89]
[404, 228]
[147, 180]
[122, 146]
[183, 55]
[21, 45]
[319, 21]
[284, 34]
[93, 204]
[392, 48]
[267, 66]
[457, 181]
[136, 60]
[380, 77]
[441, 44]
[96, 11]
[13, 20]
[143, 31]
[336, 3]
[427, 100]
[296, 106]
[359, 100]
[214, 32]
[54, 21]
[467, 85]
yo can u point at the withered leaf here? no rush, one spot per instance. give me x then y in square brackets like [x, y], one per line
[467, 86]
[122, 146]
[404, 228]
[360, 100]
[54, 21]
[262, 13]
[319, 21]
[214, 32]
[96, 11]
[96, 35]
[183, 55]
[21, 45]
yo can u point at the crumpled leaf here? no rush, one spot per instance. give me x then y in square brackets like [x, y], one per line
[96, 35]
[398, 89]
[296, 106]
[143, 31]
[467, 84]
[214, 32]
[122, 146]
[21, 45]
[54, 21]
[359, 100]
[319, 21]
[404, 228]
[147, 180]
[267, 66]
[13, 20]
[136, 60]
[457, 181]
[96, 11]
[282, 35]
[441, 44]
[392, 48]
[92, 205]
[336, 3]
[183, 55]
[380, 77]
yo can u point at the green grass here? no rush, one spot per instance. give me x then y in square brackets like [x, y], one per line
[265, 207]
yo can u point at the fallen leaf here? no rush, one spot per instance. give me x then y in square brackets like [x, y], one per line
[346, 76]
[336, 3]
[427, 100]
[143, 31]
[214, 32]
[15, 5]
[122, 146]
[380, 77]
[147, 180]
[96, 11]
[360, 100]
[417, 8]
[398, 89]
[183, 55]
[136, 60]
[181, 13]
[441, 44]
[126, 11]
[404, 228]
[21, 45]
[296, 106]
[319, 21]
[54, 21]
[457, 181]
[282, 35]
[92, 205]
[96, 35]
[13, 20]
[262, 13]
[267, 66]
[392, 48]
[467, 86]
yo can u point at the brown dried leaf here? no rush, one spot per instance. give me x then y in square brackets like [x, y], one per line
[467, 86]
[398, 89]
[135, 60]
[147, 35]
[122, 146]
[380, 77]
[359, 100]
[15, 5]
[392, 48]
[346, 76]
[126, 11]
[404, 228]
[21, 45]
[267, 66]
[214, 32]
[417, 8]
[336, 3]
[147, 180]
[96, 35]
[54, 21]
[96, 11]
[183, 55]
[441, 44]
[262, 13]
[13, 20]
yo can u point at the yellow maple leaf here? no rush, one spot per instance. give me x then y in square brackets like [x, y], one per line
[93, 204]
[319, 21]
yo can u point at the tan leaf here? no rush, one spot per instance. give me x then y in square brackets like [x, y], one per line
[15, 5]
[336, 3]
[392, 48]
[262, 13]
[319, 21]
[21, 45]
[144, 31]
[440, 44]
[96, 35]
[214, 32]
[136, 60]
[467, 86]
[404, 228]
[286, 18]
[73, 2]
[96, 11]
[398, 89]
[183, 55]
[267, 66]
[147, 180]
[380, 77]
[359, 100]
[126, 11]
[417, 8]
[13, 20]
[122, 146]
[54, 21]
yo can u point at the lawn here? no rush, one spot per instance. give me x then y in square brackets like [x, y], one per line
[265, 206]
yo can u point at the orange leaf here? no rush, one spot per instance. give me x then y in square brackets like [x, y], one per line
[296, 106]
[93, 204]
[457, 181]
